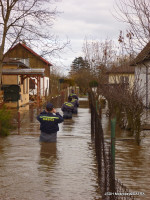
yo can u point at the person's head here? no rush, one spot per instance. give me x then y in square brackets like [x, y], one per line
[72, 91]
[49, 107]
[69, 99]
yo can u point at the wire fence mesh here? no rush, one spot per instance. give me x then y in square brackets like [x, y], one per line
[111, 189]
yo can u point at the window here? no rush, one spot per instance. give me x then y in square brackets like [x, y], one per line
[32, 83]
[124, 79]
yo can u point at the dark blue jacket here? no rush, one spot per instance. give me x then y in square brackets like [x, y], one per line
[75, 102]
[73, 95]
[67, 107]
[49, 122]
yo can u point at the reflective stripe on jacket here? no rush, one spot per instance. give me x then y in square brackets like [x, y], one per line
[68, 107]
[49, 122]
[75, 102]
[72, 95]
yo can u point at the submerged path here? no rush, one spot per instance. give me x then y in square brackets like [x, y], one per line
[63, 171]
[67, 170]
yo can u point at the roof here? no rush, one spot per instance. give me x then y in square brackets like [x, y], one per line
[31, 51]
[122, 70]
[143, 55]
[11, 61]
[30, 71]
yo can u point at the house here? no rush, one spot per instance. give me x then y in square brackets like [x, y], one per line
[31, 59]
[15, 90]
[142, 74]
[15, 82]
[121, 75]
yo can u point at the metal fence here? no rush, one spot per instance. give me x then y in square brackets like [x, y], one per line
[111, 189]
[58, 100]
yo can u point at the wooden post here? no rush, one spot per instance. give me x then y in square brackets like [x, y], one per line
[38, 91]
[96, 106]
[43, 88]
[113, 126]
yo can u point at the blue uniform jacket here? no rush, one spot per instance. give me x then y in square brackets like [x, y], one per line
[67, 107]
[72, 95]
[49, 122]
[75, 102]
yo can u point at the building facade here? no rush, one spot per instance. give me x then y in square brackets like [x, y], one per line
[31, 59]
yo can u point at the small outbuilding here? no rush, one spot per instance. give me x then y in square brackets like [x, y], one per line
[15, 82]
[31, 59]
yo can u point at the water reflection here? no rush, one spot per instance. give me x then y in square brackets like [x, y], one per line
[66, 170]
[48, 154]
[68, 125]
[132, 160]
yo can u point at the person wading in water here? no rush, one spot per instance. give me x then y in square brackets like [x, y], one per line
[49, 120]
[67, 109]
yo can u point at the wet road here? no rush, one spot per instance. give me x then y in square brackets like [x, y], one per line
[62, 171]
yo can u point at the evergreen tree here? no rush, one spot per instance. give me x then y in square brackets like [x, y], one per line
[79, 64]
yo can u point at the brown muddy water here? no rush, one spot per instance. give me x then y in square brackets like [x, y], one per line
[67, 170]
[62, 171]
[132, 160]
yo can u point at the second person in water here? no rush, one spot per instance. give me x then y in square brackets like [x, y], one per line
[67, 109]
[71, 106]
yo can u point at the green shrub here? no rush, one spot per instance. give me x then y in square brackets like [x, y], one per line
[5, 121]
[93, 83]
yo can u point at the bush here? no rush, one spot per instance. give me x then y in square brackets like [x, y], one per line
[5, 121]
[93, 83]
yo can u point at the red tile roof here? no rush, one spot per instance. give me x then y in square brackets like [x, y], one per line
[31, 51]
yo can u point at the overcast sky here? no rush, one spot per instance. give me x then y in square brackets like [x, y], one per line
[84, 18]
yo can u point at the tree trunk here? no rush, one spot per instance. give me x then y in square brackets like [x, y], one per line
[1, 64]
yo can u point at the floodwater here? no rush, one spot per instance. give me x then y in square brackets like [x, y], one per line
[67, 170]
[132, 160]
[63, 171]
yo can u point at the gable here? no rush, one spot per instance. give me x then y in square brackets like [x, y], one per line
[21, 51]
[143, 56]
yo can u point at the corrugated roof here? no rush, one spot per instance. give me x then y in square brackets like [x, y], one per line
[31, 51]
[30, 71]
[143, 55]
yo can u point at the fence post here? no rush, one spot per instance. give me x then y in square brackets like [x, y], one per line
[113, 126]
[96, 106]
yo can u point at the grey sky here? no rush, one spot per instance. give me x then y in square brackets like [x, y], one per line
[84, 18]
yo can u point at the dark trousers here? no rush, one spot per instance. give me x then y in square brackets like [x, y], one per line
[75, 110]
[67, 115]
[48, 137]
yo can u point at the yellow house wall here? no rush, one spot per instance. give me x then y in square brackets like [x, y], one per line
[9, 79]
[115, 78]
[14, 80]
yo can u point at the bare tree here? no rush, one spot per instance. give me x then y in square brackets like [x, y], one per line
[99, 54]
[125, 101]
[136, 13]
[29, 20]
